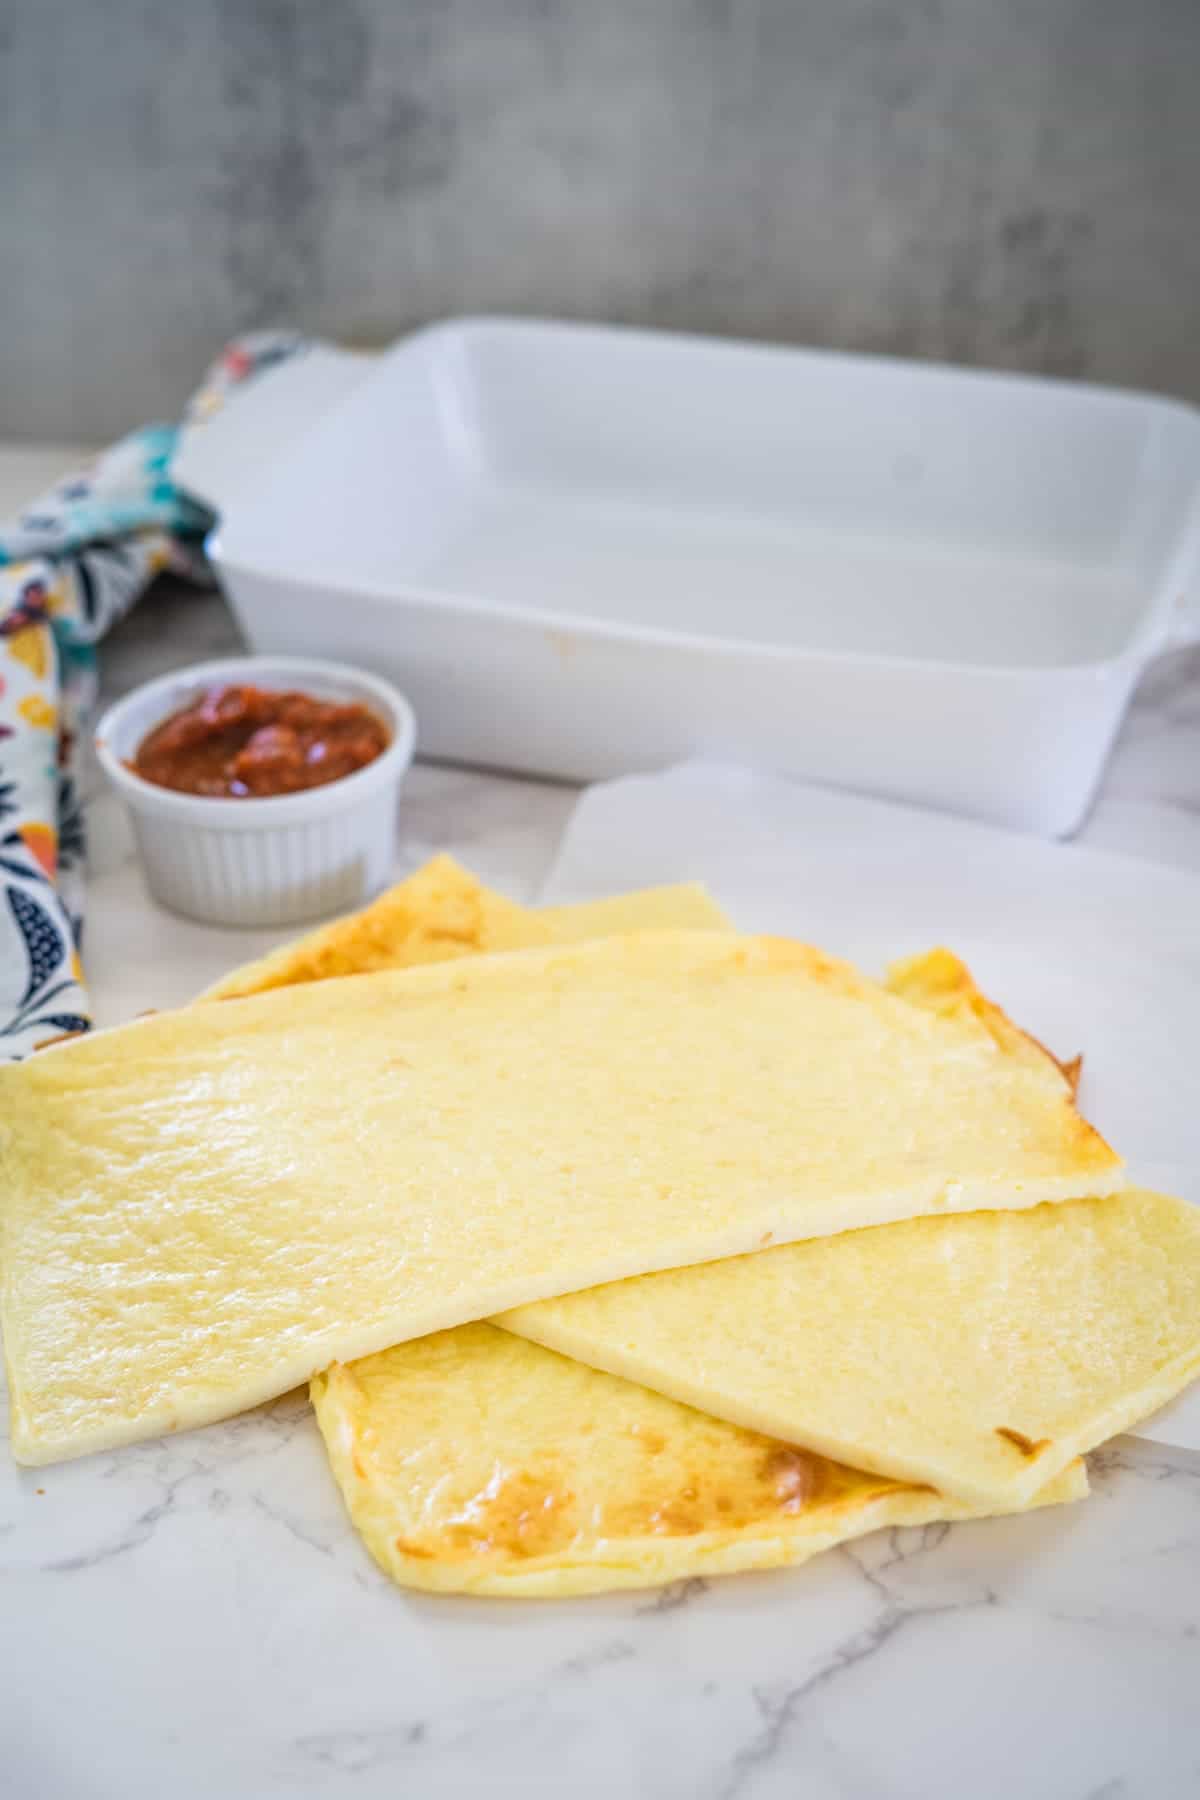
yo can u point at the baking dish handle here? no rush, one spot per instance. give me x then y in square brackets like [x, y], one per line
[221, 455]
[1183, 627]
[1183, 619]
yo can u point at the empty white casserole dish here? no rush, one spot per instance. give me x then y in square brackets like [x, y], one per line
[585, 551]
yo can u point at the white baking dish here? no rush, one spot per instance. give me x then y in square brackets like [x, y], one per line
[584, 551]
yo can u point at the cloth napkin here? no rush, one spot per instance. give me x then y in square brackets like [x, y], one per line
[70, 567]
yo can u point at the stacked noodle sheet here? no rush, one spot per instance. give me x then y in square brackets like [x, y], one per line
[901, 1279]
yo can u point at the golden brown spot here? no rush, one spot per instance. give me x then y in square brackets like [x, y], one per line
[455, 934]
[358, 1468]
[828, 970]
[680, 1515]
[1090, 1142]
[406, 1547]
[941, 983]
[780, 1480]
[652, 1442]
[1024, 1444]
[822, 968]
[792, 1475]
[1070, 1070]
[520, 1513]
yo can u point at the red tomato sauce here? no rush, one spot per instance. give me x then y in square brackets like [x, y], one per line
[244, 742]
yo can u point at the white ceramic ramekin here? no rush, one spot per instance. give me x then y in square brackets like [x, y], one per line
[262, 861]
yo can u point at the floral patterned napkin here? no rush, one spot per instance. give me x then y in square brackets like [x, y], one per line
[70, 567]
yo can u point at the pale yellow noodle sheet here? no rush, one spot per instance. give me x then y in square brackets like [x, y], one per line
[474, 1462]
[205, 1207]
[980, 1354]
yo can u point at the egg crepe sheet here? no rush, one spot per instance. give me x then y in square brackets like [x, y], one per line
[687, 906]
[442, 911]
[468, 1467]
[956, 1295]
[479, 1462]
[472, 1461]
[203, 1208]
[980, 1353]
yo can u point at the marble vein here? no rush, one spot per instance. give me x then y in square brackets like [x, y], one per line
[902, 1546]
[463, 1725]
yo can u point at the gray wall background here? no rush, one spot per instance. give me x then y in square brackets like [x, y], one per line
[1005, 182]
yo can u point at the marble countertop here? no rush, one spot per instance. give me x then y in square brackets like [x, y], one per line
[196, 1618]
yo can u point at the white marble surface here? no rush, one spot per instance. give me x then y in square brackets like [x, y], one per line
[195, 1618]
